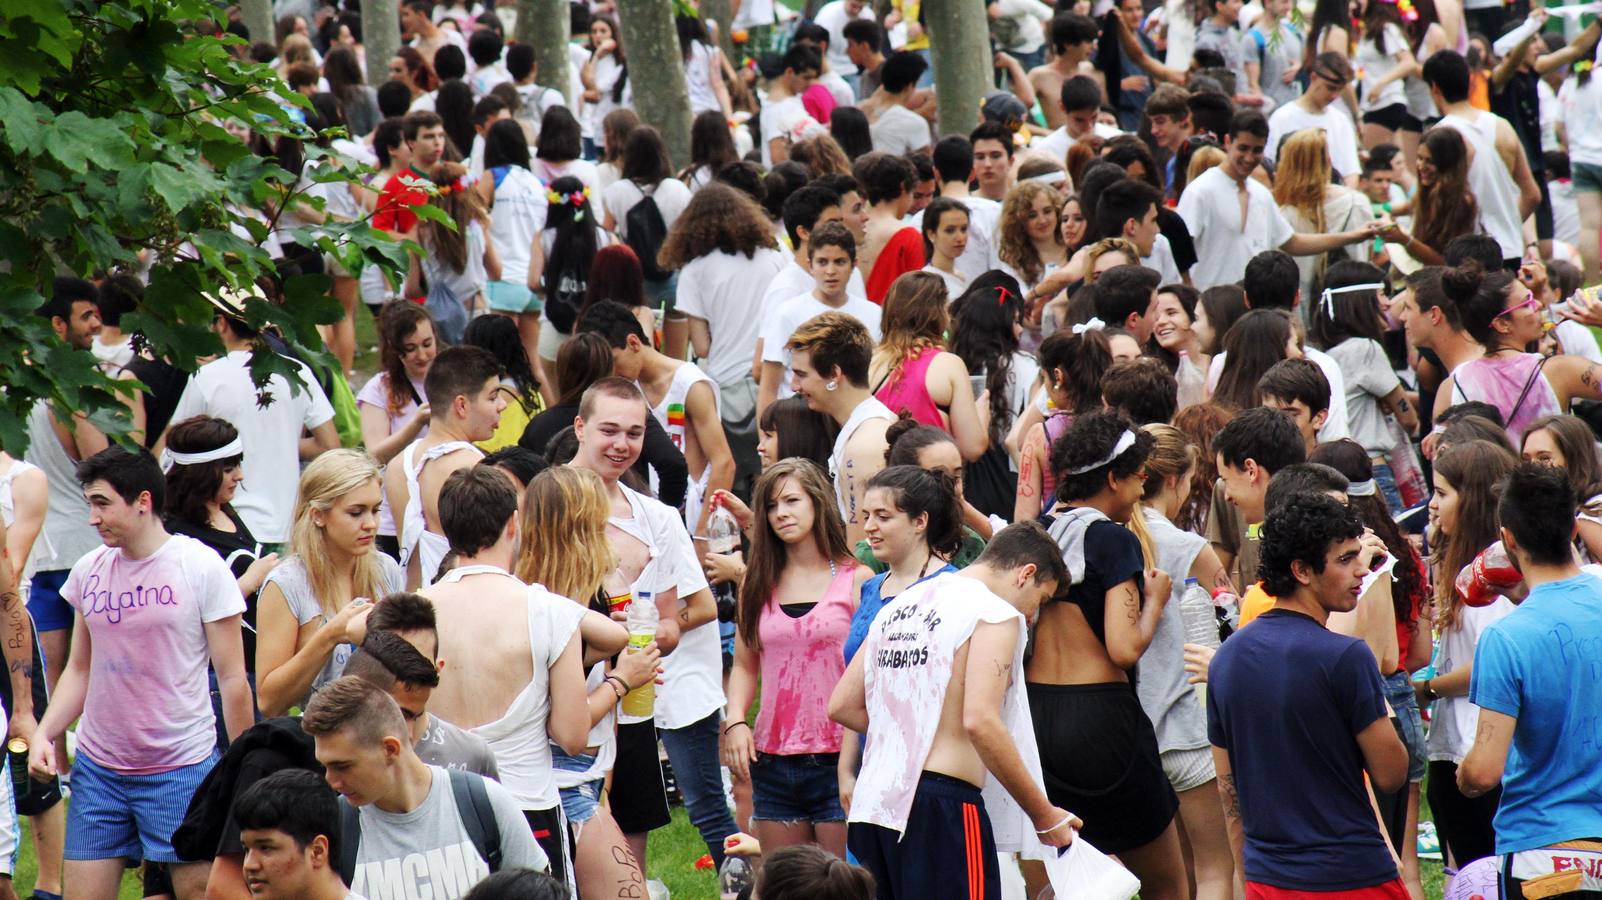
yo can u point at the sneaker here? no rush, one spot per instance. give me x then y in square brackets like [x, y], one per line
[1429, 843]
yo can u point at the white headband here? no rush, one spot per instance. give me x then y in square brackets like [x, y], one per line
[1361, 488]
[1055, 176]
[1094, 324]
[1327, 299]
[233, 448]
[1125, 441]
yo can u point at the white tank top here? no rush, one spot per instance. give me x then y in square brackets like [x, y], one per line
[8, 509]
[1492, 183]
[697, 79]
[414, 534]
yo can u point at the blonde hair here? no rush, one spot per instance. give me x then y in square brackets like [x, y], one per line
[1302, 177]
[1102, 248]
[562, 545]
[1171, 454]
[915, 318]
[1203, 159]
[325, 481]
[1017, 250]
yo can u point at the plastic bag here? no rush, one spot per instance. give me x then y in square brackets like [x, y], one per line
[1082, 872]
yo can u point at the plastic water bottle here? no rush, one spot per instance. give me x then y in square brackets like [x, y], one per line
[723, 538]
[1225, 599]
[734, 877]
[1201, 623]
[642, 624]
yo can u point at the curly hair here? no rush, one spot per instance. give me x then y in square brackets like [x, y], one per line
[719, 217]
[1092, 437]
[191, 488]
[1302, 530]
[1017, 250]
[1199, 422]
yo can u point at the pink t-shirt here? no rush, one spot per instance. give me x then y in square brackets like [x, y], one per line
[147, 708]
[802, 660]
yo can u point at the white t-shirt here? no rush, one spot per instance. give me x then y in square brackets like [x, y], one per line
[692, 675]
[955, 283]
[607, 72]
[1335, 123]
[900, 131]
[833, 16]
[270, 434]
[783, 320]
[983, 216]
[1210, 207]
[1582, 119]
[1335, 426]
[1454, 721]
[1374, 65]
[779, 119]
[1161, 260]
[1057, 143]
[518, 215]
[671, 199]
[582, 169]
[718, 287]
[837, 88]
[148, 709]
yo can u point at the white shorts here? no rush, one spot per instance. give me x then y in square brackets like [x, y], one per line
[1188, 769]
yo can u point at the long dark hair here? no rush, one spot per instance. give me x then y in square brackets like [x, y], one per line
[1354, 314]
[645, 157]
[505, 145]
[583, 360]
[1082, 359]
[1473, 470]
[397, 320]
[1254, 344]
[1446, 208]
[499, 335]
[849, 128]
[617, 54]
[1188, 297]
[454, 104]
[982, 337]
[803, 432]
[711, 144]
[560, 138]
[1325, 14]
[1409, 589]
[344, 75]
[1378, 15]
[1480, 297]
[574, 244]
[191, 487]
[1225, 304]
[769, 554]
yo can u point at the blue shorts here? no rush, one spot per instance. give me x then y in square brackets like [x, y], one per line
[948, 845]
[511, 297]
[579, 802]
[129, 816]
[800, 788]
[49, 610]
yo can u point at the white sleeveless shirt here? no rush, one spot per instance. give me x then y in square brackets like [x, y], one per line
[414, 534]
[1492, 183]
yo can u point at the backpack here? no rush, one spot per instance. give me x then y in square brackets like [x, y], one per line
[472, 804]
[646, 234]
[450, 315]
[564, 301]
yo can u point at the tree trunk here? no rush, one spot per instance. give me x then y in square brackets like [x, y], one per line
[959, 42]
[545, 25]
[718, 11]
[380, 37]
[656, 72]
[258, 17]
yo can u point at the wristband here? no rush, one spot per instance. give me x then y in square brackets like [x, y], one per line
[734, 723]
[1065, 820]
[619, 686]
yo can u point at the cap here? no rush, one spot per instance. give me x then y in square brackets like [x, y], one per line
[1002, 107]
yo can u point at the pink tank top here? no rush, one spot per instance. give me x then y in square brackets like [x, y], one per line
[1056, 426]
[1513, 384]
[802, 660]
[907, 389]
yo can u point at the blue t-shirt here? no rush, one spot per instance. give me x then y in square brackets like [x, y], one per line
[869, 604]
[1287, 698]
[1542, 664]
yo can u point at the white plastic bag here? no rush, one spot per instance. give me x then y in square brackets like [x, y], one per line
[1081, 872]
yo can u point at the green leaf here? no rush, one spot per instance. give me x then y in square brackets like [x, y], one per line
[21, 130]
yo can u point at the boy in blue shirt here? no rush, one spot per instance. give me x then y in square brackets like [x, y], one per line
[1296, 715]
[1535, 680]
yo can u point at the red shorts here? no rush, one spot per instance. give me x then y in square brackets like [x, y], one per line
[1390, 890]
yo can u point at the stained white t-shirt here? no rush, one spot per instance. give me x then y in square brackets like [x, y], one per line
[784, 319]
[223, 388]
[778, 118]
[718, 287]
[900, 131]
[518, 215]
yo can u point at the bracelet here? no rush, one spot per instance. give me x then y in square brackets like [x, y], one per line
[619, 686]
[734, 723]
[1065, 820]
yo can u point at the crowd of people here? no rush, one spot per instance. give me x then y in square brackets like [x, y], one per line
[1194, 460]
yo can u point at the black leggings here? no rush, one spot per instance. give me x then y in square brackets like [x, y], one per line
[1463, 824]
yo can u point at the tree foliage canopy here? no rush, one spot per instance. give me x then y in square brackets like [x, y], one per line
[115, 154]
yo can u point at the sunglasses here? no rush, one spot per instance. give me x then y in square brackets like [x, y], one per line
[1530, 302]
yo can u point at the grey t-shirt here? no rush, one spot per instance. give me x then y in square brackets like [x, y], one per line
[1164, 689]
[291, 578]
[1369, 377]
[427, 852]
[449, 747]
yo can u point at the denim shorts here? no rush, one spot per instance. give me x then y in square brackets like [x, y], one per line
[803, 787]
[511, 297]
[1587, 178]
[1409, 725]
[129, 816]
[580, 801]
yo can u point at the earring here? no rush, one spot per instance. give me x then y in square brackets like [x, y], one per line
[831, 386]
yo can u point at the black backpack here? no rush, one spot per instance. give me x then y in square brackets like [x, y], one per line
[565, 299]
[472, 804]
[646, 234]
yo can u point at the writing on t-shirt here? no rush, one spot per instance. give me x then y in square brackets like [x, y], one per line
[911, 642]
[111, 605]
[443, 872]
[1578, 648]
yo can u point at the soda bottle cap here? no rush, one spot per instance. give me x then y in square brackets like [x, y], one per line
[17, 745]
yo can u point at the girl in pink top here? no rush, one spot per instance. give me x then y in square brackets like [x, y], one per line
[913, 371]
[795, 610]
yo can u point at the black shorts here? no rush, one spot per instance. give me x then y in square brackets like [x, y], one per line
[638, 798]
[1099, 756]
[948, 846]
[41, 795]
[1544, 224]
[1395, 117]
[550, 832]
